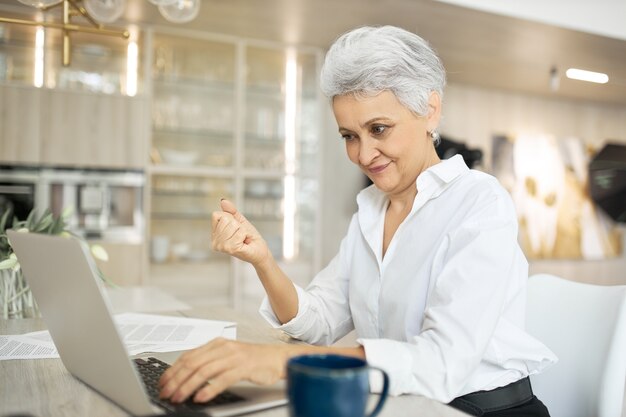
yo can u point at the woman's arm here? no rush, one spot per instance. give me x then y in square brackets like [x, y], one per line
[233, 234]
[225, 362]
[280, 291]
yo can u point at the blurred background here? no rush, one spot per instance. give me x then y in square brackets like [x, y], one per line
[141, 133]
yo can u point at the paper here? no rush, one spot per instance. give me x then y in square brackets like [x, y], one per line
[141, 333]
[154, 333]
[19, 347]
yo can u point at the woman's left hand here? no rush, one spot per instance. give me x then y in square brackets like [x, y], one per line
[223, 362]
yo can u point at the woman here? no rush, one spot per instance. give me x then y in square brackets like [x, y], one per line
[429, 275]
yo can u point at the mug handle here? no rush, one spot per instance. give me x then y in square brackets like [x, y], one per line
[383, 394]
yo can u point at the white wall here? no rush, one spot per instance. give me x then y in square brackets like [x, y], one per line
[473, 115]
[341, 181]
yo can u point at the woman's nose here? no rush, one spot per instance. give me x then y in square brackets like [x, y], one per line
[368, 151]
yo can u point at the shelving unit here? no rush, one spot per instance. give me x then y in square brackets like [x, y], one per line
[214, 117]
[221, 103]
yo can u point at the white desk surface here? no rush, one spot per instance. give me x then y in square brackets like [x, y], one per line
[45, 388]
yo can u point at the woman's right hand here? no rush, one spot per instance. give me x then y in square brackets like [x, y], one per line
[233, 234]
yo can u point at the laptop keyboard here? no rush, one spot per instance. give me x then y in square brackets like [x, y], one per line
[151, 370]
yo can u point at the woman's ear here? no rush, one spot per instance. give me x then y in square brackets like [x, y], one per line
[434, 111]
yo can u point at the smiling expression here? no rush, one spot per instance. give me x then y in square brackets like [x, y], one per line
[387, 141]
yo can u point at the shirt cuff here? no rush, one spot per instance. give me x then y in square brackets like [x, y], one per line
[393, 358]
[296, 326]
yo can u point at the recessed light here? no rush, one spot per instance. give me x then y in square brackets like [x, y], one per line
[583, 75]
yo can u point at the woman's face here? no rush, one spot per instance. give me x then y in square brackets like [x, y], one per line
[388, 142]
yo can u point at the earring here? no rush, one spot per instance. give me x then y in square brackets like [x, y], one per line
[434, 135]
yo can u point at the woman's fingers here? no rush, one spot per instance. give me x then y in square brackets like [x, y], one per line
[235, 238]
[222, 362]
[193, 369]
[189, 361]
[217, 385]
[209, 371]
[229, 207]
[228, 234]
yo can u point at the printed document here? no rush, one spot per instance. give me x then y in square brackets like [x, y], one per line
[141, 333]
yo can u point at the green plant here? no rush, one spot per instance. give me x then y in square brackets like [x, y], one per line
[16, 299]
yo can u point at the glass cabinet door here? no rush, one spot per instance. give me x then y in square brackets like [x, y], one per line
[281, 149]
[17, 53]
[309, 151]
[193, 102]
[181, 211]
[193, 160]
[99, 64]
[211, 99]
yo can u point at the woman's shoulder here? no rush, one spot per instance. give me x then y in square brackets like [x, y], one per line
[482, 192]
[475, 181]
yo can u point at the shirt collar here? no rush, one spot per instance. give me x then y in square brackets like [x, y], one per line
[430, 184]
[445, 171]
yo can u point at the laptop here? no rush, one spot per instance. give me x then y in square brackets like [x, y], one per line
[62, 276]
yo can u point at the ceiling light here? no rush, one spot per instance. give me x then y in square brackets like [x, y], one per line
[105, 11]
[582, 75]
[70, 8]
[180, 11]
[101, 11]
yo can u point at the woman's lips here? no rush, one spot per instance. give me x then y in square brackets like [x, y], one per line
[378, 169]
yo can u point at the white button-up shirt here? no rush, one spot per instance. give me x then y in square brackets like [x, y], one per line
[443, 312]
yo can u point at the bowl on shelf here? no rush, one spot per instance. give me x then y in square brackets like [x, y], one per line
[196, 255]
[176, 157]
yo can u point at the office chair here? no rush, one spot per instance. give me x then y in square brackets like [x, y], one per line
[585, 326]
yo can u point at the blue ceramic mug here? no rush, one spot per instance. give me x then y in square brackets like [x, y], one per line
[330, 386]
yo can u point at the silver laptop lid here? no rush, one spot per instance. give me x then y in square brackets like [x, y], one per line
[61, 273]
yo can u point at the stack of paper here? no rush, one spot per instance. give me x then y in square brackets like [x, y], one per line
[141, 333]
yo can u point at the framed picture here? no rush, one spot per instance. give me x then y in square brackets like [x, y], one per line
[549, 182]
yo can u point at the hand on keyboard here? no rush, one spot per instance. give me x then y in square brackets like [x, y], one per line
[151, 370]
[224, 362]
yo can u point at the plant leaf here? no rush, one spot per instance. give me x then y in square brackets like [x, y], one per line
[44, 223]
[57, 226]
[4, 243]
[67, 212]
[30, 219]
[4, 219]
[99, 252]
[8, 263]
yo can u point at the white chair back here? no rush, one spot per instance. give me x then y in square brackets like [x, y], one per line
[585, 326]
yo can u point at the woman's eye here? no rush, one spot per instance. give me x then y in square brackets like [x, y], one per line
[378, 129]
[347, 136]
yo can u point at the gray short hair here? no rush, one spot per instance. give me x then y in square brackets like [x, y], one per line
[369, 60]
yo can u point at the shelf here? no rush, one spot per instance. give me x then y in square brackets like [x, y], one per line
[182, 193]
[254, 139]
[258, 218]
[263, 174]
[195, 83]
[191, 170]
[251, 196]
[265, 92]
[200, 105]
[181, 216]
[274, 92]
[209, 134]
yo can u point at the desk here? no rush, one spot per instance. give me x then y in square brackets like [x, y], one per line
[44, 388]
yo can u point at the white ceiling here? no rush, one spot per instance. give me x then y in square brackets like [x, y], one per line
[600, 17]
[477, 47]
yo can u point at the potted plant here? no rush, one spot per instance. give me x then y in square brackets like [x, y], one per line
[16, 299]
